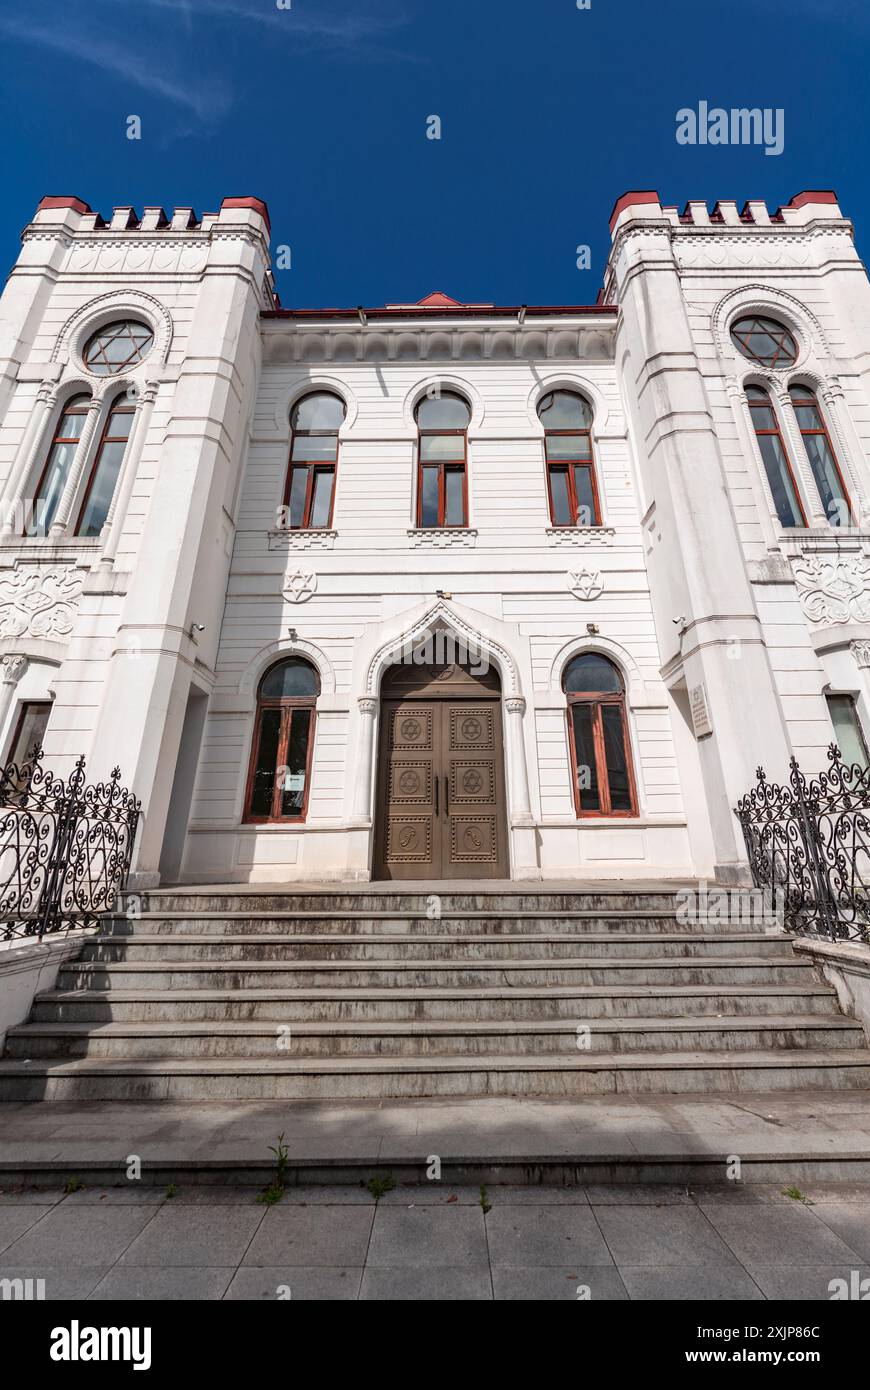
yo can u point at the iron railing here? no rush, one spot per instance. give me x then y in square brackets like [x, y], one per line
[65, 847]
[809, 843]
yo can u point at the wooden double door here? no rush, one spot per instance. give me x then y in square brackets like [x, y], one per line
[441, 788]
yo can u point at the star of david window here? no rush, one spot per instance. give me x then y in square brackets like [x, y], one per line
[764, 341]
[117, 347]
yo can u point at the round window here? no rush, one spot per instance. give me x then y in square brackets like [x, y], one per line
[118, 346]
[764, 341]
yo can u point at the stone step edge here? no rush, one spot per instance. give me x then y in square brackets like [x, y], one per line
[740, 1023]
[297, 967]
[525, 1169]
[393, 914]
[777, 1059]
[420, 992]
[416, 938]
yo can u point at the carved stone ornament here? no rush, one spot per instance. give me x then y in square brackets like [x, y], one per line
[834, 590]
[300, 585]
[39, 602]
[585, 583]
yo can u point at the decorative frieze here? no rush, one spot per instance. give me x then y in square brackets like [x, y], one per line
[572, 536]
[442, 539]
[287, 539]
[36, 601]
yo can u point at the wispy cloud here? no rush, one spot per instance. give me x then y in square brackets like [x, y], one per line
[345, 24]
[127, 62]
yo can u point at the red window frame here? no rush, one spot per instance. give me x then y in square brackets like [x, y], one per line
[570, 463]
[808, 398]
[313, 467]
[786, 344]
[459, 464]
[58, 438]
[120, 406]
[287, 705]
[596, 699]
[767, 404]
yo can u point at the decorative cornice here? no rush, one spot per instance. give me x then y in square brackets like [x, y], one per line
[446, 538]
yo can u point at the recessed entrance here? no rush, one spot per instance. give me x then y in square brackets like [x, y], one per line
[441, 788]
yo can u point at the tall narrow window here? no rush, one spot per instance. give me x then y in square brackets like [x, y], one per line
[280, 772]
[598, 738]
[30, 729]
[775, 458]
[442, 489]
[848, 733]
[567, 421]
[57, 465]
[823, 460]
[105, 468]
[309, 494]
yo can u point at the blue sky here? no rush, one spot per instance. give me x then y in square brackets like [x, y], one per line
[548, 114]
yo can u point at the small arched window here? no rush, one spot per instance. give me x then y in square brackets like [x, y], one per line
[598, 737]
[55, 470]
[310, 491]
[775, 459]
[280, 772]
[765, 341]
[442, 482]
[571, 483]
[821, 456]
[109, 456]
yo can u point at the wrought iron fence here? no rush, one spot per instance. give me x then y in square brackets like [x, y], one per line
[809, 842]
[65, 847]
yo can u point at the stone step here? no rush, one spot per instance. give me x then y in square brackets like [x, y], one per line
[262, 1078]
[720, 970]
[143, 946]
[581, 1004]
[136, 1041]
[222, 924]
[414, 901]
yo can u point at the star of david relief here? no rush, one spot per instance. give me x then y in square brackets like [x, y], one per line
[410, 729]
[585, 583]
[470, 728]
[300, 585]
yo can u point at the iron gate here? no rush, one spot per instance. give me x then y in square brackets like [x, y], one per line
[809, 842]
[65, 847]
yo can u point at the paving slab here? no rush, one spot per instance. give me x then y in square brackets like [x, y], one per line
[59, 1284]
[15, 1220]
[312, 1236]
[435, 1283]
[542, 1236]
[708, 1283]
[848, 1221]
[324, 1283]
[449, 1237]
[558, 1283]
[809, 1283]
[173, 1283]
[781, 1236]
[75, 1236]
[661, 1236]
[192, 1236]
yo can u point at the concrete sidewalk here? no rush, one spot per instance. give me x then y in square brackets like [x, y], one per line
[784, 1138]
[436, 1243]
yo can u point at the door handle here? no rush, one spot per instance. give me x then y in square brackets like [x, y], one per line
[437, 780]
[447, 793]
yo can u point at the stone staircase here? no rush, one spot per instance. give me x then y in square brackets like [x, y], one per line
[350, 994]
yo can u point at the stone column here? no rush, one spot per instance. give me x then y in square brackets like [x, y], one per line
[46, 400]
[81, 457]
[12, 668]
[362, 791]
[521, 804]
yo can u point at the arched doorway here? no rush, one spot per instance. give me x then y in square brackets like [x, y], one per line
[440, 799]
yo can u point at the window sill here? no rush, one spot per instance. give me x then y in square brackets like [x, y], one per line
[442, 537]
[580, 535]
[313, 539]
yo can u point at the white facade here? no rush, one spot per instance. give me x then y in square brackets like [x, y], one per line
[151, 639]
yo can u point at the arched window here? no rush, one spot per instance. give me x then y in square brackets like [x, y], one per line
[765, 341]
[442, 484]
[775, 459]
[55, 471]
[118, 346]
[105, 468]
[310, 490]
[567, 421]
[598, 737]
[280, 773]
[822, 459]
